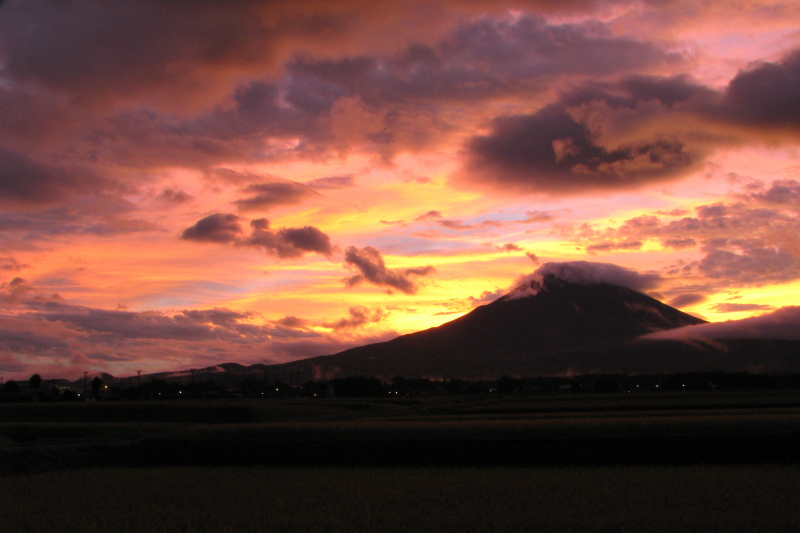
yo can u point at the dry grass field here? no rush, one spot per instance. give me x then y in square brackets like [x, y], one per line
[712, 461]
[740, 498]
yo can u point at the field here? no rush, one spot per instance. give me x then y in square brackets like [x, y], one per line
[703, 461]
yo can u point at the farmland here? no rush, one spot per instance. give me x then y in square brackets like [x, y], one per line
[694, 461]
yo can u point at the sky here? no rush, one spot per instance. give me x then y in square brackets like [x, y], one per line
[188, 183]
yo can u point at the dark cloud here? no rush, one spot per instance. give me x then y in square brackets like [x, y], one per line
[480, 59]
[551, 151]
[332, 182]
[736, 308]
[272, 194]
[687, 242]
[611, 246]
[765, 95]
[370, 264]
[567, 146]
[782, 192]
[8, 263]
[459, 225]
[103, 217]
[749, 262]
[219, 227]
[172, 196]
[510, 247]
[292, 322]
[686, 299]
[288, 242]
[26, 181]
[420, 271]
[190, 326]
[533, 257]
[187, 52]
[359, 316]
[283, 242]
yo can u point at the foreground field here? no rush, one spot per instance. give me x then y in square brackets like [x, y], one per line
[666, 429]
[704, 499]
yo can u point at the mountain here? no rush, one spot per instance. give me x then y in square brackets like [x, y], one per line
[547, 326]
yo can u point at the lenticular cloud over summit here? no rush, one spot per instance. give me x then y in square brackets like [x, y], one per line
[585, 273]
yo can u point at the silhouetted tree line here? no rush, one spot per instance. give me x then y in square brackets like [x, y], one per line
[36, 389]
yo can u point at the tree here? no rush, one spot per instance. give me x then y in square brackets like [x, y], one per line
[35, 382]
[96, 384]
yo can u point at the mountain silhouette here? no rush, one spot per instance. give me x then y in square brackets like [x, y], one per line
[546, 326]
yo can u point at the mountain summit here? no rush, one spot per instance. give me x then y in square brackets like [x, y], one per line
[546, 325]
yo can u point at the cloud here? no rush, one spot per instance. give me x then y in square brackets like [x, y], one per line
[554, 151]
[747, 239]
[332, 182]
[686, 299]
[219, 227]
[173, 197]
[748, 262]
[430, 215]
[370, 264]
[272, 194]
[283, 242]
[24, 180]
[587, 273]
[783, 323]
[635, 131]
[359, 316]
[737, 308]
[765, 95]
[485, 297]
[186, 53]
[289, 242]
[611, 246]
[509, 247]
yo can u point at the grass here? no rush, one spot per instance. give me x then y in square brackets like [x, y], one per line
[688, 428]
[643, 499]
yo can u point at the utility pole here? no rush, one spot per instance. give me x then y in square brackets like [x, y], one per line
[84, 383]
[138, 378]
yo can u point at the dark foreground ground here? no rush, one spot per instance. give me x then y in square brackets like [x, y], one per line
[514, 430]
[710, 461]
[642, 499]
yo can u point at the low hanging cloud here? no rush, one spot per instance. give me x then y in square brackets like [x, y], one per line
[283, 242]
[783, 323]
[369, 262]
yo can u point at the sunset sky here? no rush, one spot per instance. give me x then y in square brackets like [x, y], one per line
[188, 183]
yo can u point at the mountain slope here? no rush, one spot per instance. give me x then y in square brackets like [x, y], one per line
[534, 330]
